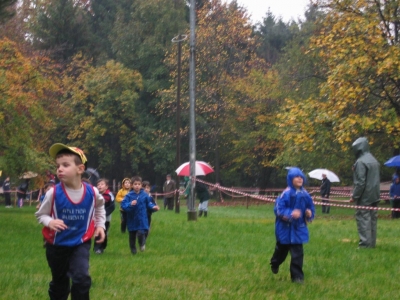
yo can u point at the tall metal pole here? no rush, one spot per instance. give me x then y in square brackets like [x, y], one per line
[178, 39]
[192, 216]
[178, 105]
[178, 122]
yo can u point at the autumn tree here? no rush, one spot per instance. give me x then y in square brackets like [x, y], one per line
[254, 142]
[357, 43]
[299, 75]
[26, 105]
[225, 52]
[102, 101]
[359, 40]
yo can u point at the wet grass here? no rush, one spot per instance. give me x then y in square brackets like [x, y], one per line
[224, 256]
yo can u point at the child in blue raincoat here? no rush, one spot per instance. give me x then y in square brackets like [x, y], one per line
[395, 196]
[135, 204]
[294, 209]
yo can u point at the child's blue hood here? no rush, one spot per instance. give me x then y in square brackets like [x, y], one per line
[294, 172]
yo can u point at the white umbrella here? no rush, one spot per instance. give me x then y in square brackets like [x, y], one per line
[28, 175]
[317, 174]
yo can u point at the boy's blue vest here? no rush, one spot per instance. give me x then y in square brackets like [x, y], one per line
[78, 217]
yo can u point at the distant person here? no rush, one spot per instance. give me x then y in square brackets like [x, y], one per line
[50, 177]
[366, 192]
[43, 192]
[21, 192]
[325, 191]
[126, 187]
[147, 188]
[109, 206]
[72, 213]
[186, 192]
[204, 196]
[294, 209]
[169, 188]
[136, 203]
[7, 192]
[395, 196]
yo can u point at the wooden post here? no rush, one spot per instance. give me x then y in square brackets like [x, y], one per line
[177, 202]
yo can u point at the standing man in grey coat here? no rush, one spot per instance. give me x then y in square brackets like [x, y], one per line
[366, 192]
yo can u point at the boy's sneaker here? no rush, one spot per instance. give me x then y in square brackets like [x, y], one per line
[142, 248]
[274, 270]
[133, 251]
[298, 280]
[99, 251]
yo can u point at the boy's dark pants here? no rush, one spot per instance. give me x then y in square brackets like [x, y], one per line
[148, 218]
[7, 198]
[296, 262]
[170, 203]
[103, 245]
[123, 221]
[325, 208]
[141, 235]
[396, 204]
[69, 263]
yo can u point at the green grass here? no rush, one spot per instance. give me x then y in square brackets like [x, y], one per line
[225, 256]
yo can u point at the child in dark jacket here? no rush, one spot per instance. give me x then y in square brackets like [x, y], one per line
[147, 187]
[109, 206]
[395, 196]
[136, 203]
[293, 210]
[204, 197]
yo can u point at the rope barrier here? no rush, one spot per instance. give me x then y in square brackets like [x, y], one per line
[272, 200]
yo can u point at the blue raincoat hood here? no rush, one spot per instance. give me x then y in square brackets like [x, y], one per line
[294, 172]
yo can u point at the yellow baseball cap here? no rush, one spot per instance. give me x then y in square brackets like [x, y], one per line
[55, 148]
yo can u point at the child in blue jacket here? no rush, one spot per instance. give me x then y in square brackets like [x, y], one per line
[293, 210]
[135, 204]
[395, 196]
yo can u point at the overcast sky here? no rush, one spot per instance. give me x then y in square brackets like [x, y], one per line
[287, 9]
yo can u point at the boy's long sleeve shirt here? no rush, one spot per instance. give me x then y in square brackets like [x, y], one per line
[43, 215]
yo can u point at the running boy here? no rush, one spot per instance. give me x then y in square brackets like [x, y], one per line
[126, 187]
[109, 205]
[136, 203]
[72, 212]
[293, 210]
[147, 188]
[43, 192]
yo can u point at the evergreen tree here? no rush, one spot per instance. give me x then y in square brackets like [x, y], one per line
[274, 35]
[6, 11]
[62, 27]
[102, 22]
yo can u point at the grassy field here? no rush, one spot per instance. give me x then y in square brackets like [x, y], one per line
[224, 256]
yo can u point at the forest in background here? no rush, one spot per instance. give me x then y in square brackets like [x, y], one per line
[102, 75]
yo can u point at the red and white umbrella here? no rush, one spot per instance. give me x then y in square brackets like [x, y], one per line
[202, 168]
